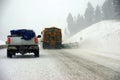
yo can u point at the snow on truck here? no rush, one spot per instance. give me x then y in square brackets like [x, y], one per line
[22, 41]
[51, 38]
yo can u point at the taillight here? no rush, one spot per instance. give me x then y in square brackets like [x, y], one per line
[36, 40]
[8, 40]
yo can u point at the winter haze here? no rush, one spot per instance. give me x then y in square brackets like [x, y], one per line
[90, 49]
[37, 14]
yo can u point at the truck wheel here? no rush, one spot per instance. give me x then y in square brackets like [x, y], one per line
[9, 55]
[58, 46]
[36, 53]
[44, 45]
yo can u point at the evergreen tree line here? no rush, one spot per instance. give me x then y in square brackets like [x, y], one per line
[116, 4]
[91, 16]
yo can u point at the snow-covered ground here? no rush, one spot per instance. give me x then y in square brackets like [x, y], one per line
[64, 64]
[2, 42]
[97, 58]
[103, 36]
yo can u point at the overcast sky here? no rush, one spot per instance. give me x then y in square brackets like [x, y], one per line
[37, 14]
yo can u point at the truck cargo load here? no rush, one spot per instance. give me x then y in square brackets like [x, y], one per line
[51, 37]
[26, 34]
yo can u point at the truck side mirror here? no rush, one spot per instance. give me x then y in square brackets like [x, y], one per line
[39, 36]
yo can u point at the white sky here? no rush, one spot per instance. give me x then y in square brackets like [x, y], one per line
[36, 14]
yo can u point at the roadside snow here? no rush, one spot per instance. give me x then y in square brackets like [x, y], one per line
[2, 42]
[109, 60]
[103, 36]
[99, 43]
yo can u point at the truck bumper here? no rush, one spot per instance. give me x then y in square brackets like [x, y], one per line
[22, 48]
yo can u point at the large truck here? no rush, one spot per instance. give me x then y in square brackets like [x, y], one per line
[51, 37]
[22, 41]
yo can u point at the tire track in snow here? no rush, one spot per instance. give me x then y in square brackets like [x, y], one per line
[78, 67]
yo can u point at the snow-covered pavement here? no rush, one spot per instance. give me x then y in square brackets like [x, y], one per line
[64, 64]
[28, 68]
[97, 58]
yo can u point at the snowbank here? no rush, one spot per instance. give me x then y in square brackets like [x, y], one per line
[2, 42]
[102, 36]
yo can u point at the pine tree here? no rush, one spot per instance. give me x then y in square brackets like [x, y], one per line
[66, 32]
[89, 15]
[108, 10]
[80, 22]
[117, 8]
[98, 14]
[70, 24]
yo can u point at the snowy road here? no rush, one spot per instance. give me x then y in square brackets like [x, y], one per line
[64, 64]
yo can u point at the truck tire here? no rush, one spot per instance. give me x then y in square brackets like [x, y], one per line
[9, 55]
[58, 45]
[36, 53]
[44, 45]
